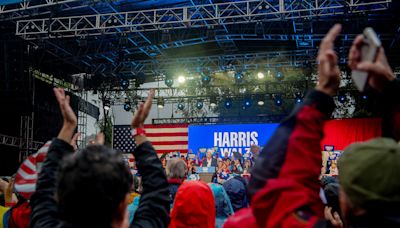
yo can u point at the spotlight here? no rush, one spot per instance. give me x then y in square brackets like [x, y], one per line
[342, 98]
[260, 100]
[181, 106]
[125, 84]
[199, 104]
[106, 105]
[247, 102]
[278, 100]
[169, 82]
[181, 79]
[160, 102]
[260, 75]
[298, 98]
[364, 97]
[205, 79]
[279, 75]
[239, 77]
[127, 106]
[228, 103]
[213, 102]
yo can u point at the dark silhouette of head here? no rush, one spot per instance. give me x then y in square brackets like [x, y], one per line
[92, 185]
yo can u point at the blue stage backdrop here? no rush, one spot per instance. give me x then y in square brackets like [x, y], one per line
[229, 138]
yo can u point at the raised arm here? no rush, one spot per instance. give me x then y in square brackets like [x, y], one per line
[44, 206]
[284, 181]
[153, 210]
[383, 81]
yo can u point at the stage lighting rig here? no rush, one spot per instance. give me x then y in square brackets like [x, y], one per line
[260, 100]
[228, 103]
[260, 75]
[181, 105]
[127, 106]
[213, 102]
[278, 100]
[106, 104]
[205, 78]
[181, 79]
[199, 104]
[342, 98]
[247, 103]
[160, 103]
[124, 84]
[298, 98]
[238, 77]
[169, 82]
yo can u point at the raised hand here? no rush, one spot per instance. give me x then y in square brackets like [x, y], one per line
[142, 112]
[328, 69]
[70, 120]
[379, 72]
[66, 110]
[74, 140]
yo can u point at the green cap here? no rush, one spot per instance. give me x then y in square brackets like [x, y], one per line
[369, 172]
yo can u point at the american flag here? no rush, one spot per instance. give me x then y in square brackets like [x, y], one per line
[122, 139]
[27, 174]
[168, 137]
[165, 138]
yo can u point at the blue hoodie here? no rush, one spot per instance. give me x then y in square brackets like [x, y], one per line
[236, 191]
[222, 204]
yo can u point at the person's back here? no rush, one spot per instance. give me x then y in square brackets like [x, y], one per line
[222, 204]
[176, 173]
[237, 193]
[194, 206]
[92, 186]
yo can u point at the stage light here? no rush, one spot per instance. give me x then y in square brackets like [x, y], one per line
[298, 98]
[160, 102]
[239, 77]
[169, 82]
[205, 79]
[125, 84]
[260, 75]
[228, 103]
[364, 97]
[106, 105]
[199, 104]
[279, 75]
[181, 106]
[127, 106]
[342, 98]
[278, 100]
[213, 102]
[260, 100]
[181, 79]
[247, 103]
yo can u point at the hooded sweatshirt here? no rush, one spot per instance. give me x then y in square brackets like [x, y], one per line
[194, 206]
[222, 204]
[237, 193]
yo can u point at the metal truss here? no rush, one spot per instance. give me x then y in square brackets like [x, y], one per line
[213, 120]
[191, 17]
[18, 142]
[31, 8]
[213, 63]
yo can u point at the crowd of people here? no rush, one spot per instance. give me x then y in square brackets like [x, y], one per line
[93, 187]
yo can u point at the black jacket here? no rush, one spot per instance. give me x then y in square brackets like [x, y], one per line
[153, 210]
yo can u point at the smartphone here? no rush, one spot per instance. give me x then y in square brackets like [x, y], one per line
[368, 53]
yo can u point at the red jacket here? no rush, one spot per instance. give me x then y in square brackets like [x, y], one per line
[194, 206]
[284, 187]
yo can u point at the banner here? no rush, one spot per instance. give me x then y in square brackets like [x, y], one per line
[229, 138]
